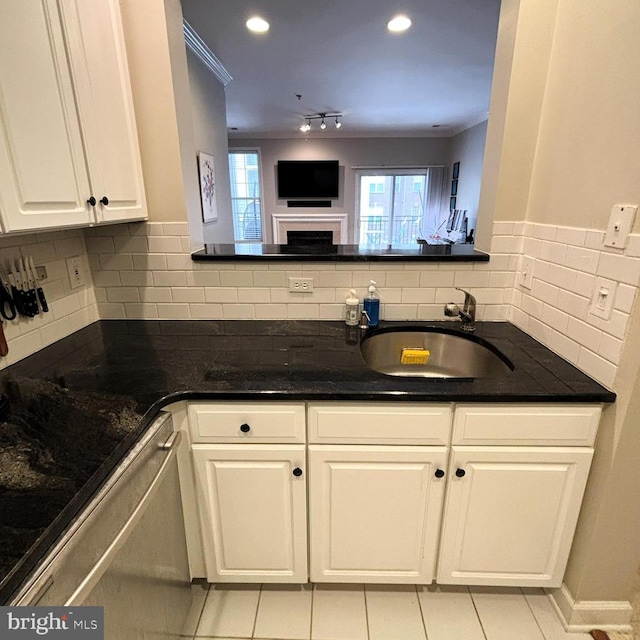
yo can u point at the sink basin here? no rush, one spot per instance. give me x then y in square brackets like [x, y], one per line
[432, 353]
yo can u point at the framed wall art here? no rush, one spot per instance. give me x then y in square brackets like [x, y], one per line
[207, 187]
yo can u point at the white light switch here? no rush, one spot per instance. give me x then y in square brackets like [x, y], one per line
[525, 277]
[602, 299]
[620, 224]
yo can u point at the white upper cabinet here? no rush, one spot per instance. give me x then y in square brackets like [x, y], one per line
[101, 76]
[67, 126]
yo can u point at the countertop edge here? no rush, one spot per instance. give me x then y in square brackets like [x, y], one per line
[280, 253]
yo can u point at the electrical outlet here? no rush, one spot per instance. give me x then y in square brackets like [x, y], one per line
[301, 285]
[75, 271]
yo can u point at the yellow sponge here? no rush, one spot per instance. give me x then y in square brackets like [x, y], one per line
[414, 356]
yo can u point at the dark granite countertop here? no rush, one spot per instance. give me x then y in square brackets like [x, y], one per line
[340, 253]
[78, 405]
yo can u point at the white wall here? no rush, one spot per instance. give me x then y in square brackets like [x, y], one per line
[525, 34]
[147, 42]
[467, 148]
[586, 159]
[208, 110]
[350, 152]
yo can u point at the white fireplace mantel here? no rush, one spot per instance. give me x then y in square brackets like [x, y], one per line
[336, 222]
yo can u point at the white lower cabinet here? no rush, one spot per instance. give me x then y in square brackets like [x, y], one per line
[374, 513]
[253, 512]
[510, 514]
[475, 494]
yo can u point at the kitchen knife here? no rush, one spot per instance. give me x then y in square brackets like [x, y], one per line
[15, 292]
[39, 289]
[30, 288]
[22, 289]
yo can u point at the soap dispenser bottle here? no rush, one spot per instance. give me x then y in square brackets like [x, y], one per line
[352, 308]
[372, 305]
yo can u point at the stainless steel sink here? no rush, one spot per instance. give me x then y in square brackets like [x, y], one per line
[432, 353]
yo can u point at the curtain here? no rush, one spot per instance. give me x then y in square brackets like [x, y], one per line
[436, 209]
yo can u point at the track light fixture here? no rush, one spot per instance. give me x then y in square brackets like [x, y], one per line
[322, 117]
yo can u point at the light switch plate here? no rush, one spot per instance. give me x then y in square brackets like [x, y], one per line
[620, 224]
[525, 275]
[602, 299]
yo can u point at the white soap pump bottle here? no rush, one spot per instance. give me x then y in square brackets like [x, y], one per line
[352, 309]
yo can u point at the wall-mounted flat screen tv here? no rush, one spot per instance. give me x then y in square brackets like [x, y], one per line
[308, 178]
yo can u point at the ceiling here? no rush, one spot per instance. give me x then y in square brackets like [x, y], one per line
[339, 56]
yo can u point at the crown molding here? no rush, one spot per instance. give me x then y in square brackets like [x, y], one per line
[200, 49]
[470, 123]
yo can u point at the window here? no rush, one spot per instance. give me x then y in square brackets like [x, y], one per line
[395, 207]
[246, 199]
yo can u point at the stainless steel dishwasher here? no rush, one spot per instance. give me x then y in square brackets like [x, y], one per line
[127, 550]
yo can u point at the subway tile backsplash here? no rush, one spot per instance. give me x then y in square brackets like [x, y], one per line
[165, 283]
[144, 270]
[69, 309]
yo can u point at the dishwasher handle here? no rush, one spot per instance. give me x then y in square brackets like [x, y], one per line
[99, 568]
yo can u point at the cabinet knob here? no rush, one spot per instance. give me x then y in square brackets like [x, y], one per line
[297, 472]
[92, 201]
[245, 428]
[439, 473]
[460, 473]
[104, 200]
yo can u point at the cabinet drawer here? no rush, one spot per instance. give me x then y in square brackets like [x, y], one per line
[379, 423]
[526, 424]
[255, 422]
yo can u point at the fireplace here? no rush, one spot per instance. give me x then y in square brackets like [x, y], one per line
[334, 223]
[309, 237]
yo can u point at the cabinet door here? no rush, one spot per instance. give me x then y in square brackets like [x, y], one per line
[43, 177]
[97, 52]
[253, 512]
[510, 514]
[374, 513]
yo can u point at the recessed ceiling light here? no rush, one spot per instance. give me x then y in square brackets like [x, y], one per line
[399, 23]
[257, 25]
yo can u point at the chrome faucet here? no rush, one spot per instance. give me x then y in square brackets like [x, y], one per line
[467, 314]
[364, 320]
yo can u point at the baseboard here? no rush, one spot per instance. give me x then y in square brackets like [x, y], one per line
[583, 616]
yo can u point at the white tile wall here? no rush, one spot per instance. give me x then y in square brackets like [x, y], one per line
[144, 270]
[69, 309]
[156, 278]
[566, 262]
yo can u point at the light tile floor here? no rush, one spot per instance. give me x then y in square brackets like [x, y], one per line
[378, 612]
